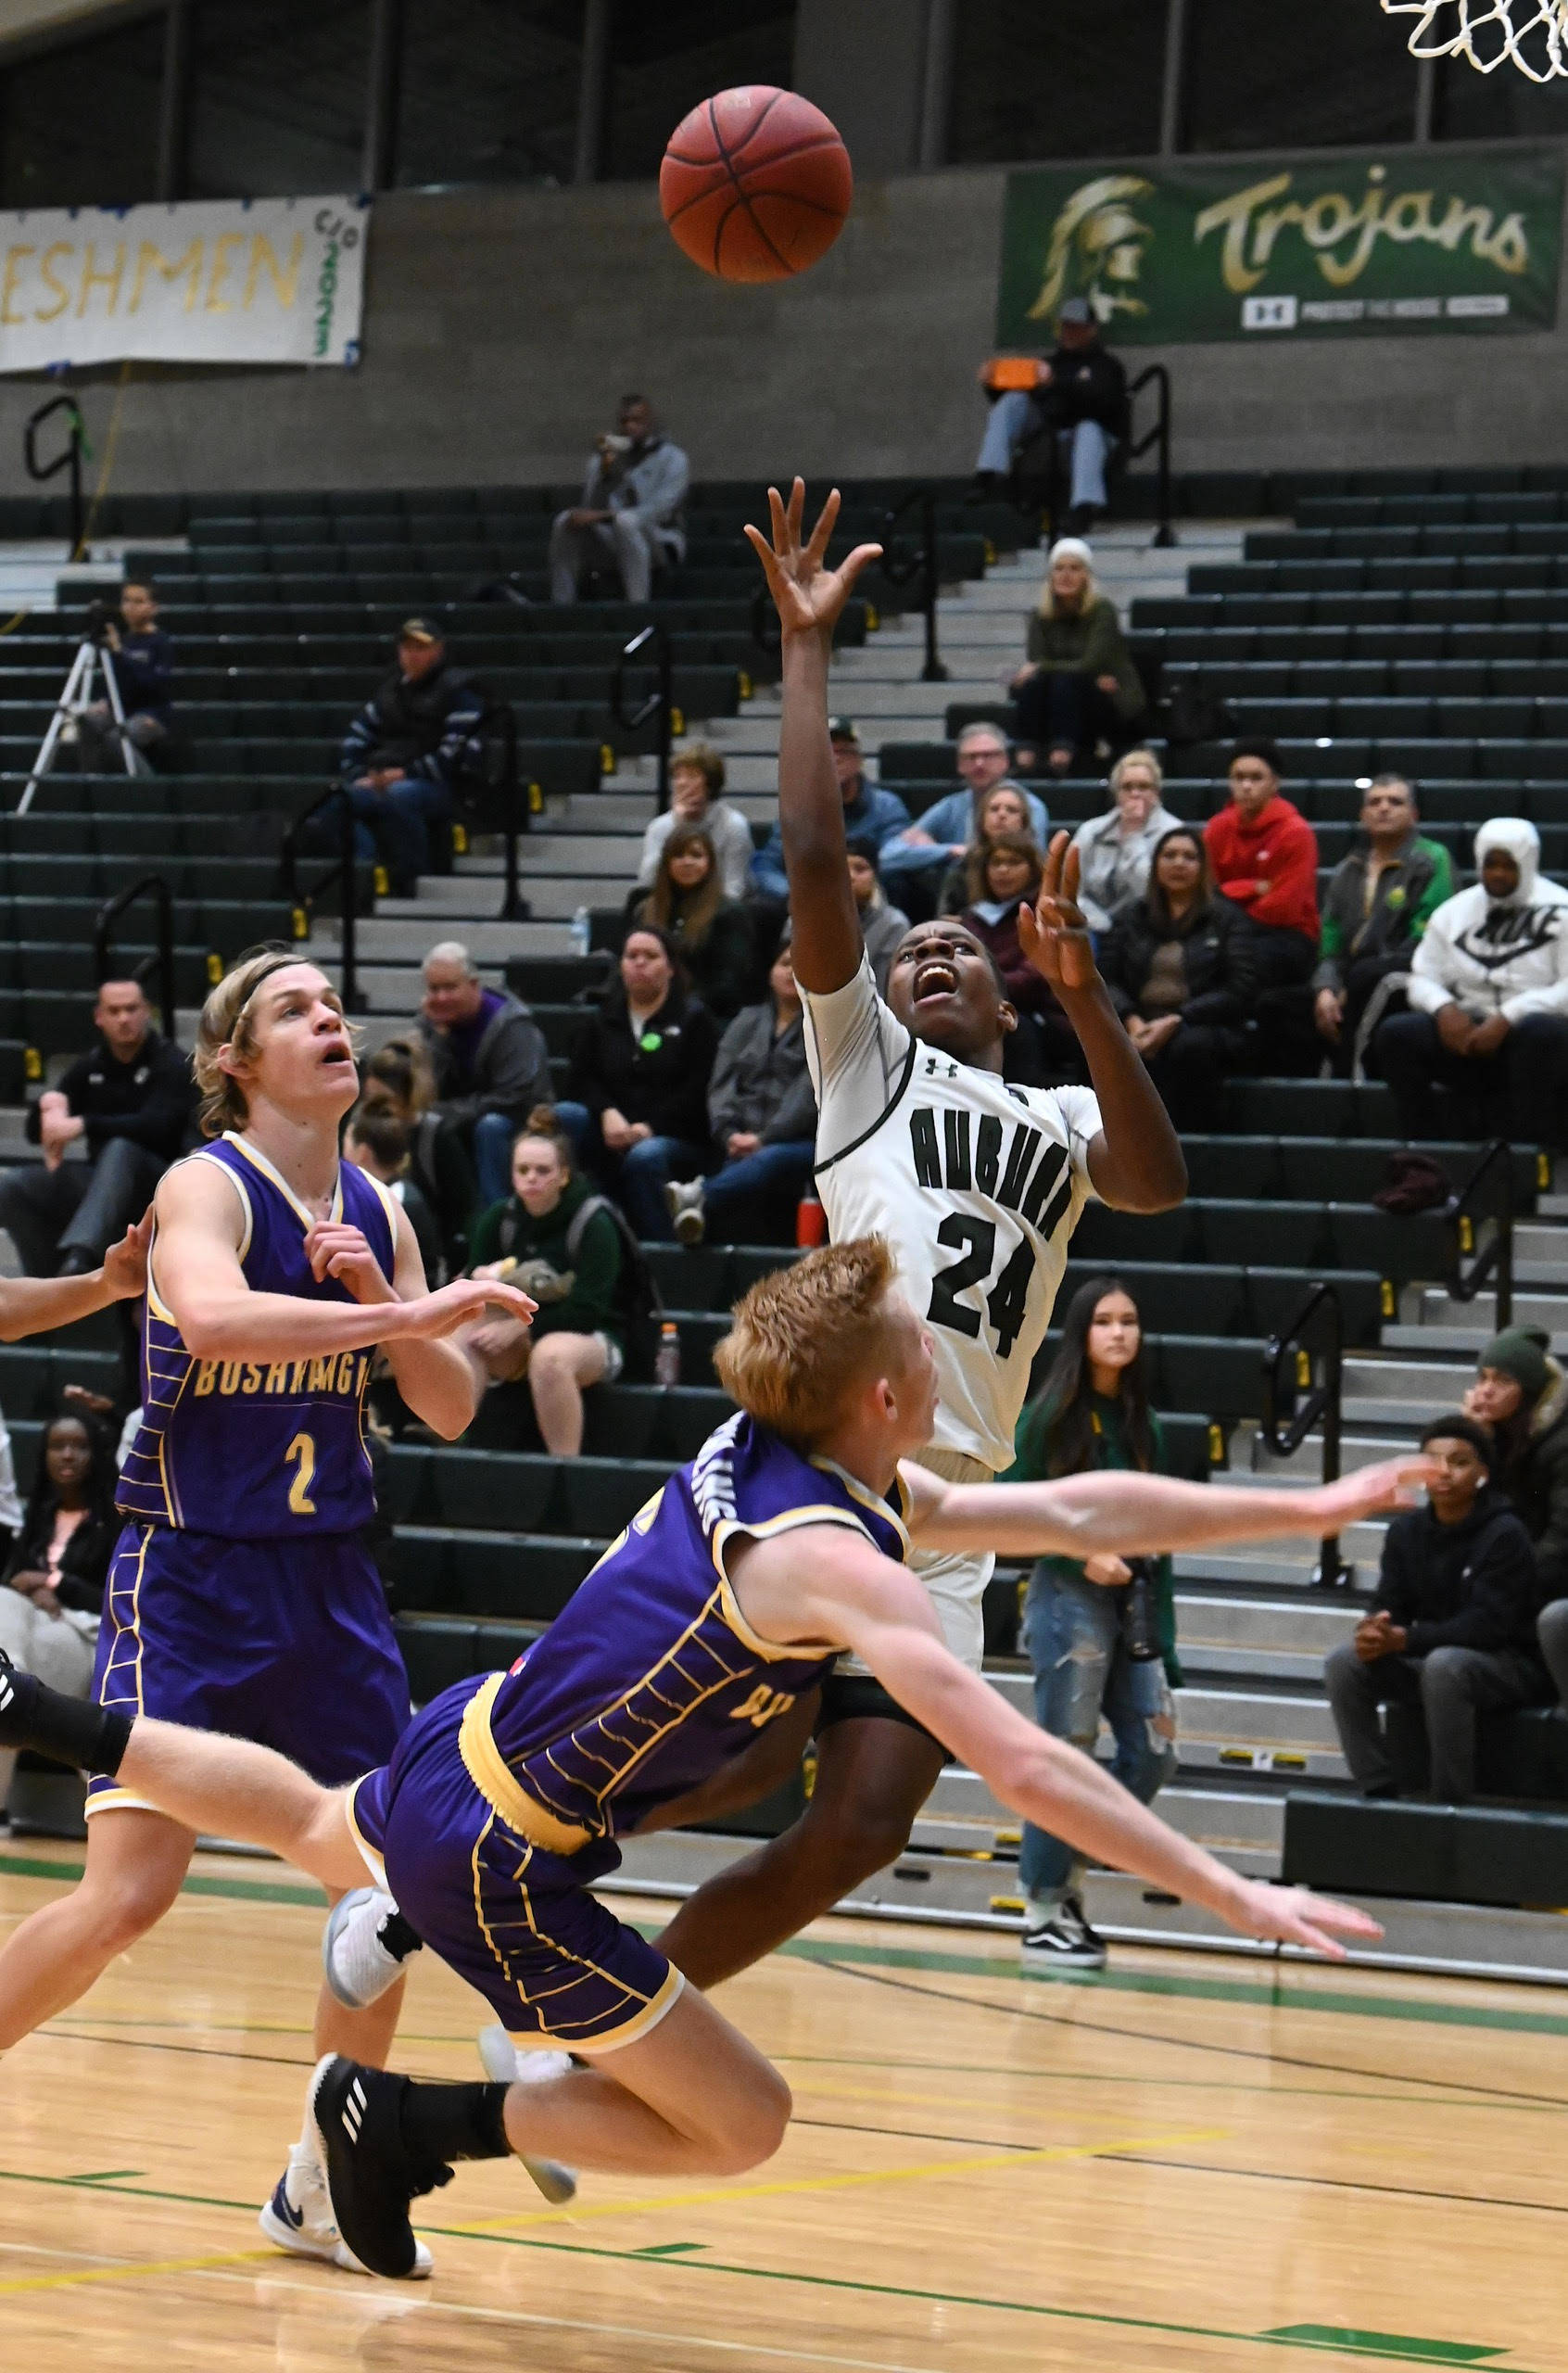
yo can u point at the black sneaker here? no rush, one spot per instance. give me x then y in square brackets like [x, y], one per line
[1066, 1940]
[353, 2115]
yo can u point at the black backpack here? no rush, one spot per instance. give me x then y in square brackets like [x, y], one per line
[642, 1306]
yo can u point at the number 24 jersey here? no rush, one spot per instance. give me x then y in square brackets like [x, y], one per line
[978, 1186]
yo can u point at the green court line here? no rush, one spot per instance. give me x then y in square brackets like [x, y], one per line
[1385, 2348]
[1265, 1994]
[1433, 2351]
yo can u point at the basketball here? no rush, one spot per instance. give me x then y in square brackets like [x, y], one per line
[755, 184]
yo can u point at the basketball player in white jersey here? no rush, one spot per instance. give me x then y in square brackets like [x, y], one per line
[978, 1186]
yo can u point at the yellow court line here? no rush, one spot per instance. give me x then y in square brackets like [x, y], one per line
[729, 2193]
[129, 2272]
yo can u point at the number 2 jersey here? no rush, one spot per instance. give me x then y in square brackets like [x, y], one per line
[257, 1449]
[977, 1185]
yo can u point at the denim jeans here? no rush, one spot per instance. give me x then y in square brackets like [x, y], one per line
[1086, 446]
[770, 1176]
[1072, 1632]
[637, 1177]
[494, 1134]
[393, 826]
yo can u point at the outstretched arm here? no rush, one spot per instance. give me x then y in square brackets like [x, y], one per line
[1143, 1515]
[809, 597]
[27, 1305]
[1135, 1160]
[199, 1279]
[842, 1588]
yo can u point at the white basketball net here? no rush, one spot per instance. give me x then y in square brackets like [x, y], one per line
[1530, 34]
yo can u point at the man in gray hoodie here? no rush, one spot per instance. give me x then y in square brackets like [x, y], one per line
[632, 513]
[1488, 994]
[490, 1062]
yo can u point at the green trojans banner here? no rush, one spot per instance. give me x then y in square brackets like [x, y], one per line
[1365, 243]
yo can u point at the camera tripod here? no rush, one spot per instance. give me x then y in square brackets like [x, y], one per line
[75, 700]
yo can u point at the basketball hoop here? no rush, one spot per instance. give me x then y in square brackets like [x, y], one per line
[1485, 33]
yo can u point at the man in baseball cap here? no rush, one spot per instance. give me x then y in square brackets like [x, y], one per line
[870, 813]
[403, 753]
[1080, 394]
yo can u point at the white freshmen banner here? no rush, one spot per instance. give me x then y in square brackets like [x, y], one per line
[259, 279]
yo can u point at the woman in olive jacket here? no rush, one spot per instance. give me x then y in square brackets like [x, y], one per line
[1078, 686]
[638, 1107]
[1180, 970]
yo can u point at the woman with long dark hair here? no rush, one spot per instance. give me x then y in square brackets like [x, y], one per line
[636, 1103]
[1181, 967]
[1100, 1634]
[711, 933]
[52, 1590]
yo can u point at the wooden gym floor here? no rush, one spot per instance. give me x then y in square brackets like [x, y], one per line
[1188, 2164]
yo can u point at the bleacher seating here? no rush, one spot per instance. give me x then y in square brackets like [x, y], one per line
[1405, 621]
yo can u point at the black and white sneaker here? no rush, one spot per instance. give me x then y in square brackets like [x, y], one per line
[354, 2123]
[1065, 1939]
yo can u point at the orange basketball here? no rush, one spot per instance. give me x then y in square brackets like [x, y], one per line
[755, 184]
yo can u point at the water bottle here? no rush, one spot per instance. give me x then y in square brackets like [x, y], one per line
[1140, 1621]
[811, 1221]
[667, 1359]
[582, 931]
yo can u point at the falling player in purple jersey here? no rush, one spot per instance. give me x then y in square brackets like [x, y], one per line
[725, 1600]
[239, 1597]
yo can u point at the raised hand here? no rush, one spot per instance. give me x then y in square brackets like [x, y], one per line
[1297, 1916]
[807, 595]
[1393, 1483]
[125, 1264]
[1053, 932]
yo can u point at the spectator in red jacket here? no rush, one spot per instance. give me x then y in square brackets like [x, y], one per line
[1264, 853]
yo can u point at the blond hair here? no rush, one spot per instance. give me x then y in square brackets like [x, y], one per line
[803, 1337]
[227, 1021]
[1046, 607]
[1139, 758]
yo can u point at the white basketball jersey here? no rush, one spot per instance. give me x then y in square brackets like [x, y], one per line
[976, 1184]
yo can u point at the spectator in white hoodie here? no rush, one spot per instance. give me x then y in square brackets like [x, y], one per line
[1488, 994]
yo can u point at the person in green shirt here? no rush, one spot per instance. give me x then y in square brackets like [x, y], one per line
[539, 1238]
[1100, 1634]
[1379, 902]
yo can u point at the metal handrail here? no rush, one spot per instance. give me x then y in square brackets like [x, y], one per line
[514, 811]
[1158, 436]
[925, 564]
[1325, 1403]
[659, 701]
[1493, 1261]
[103, 942]
[71, 459]
[345, 871]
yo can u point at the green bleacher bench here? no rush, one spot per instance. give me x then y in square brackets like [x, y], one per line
[1478, 1853]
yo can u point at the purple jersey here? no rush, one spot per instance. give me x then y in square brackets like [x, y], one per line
[652, 1678]
[259, 1449]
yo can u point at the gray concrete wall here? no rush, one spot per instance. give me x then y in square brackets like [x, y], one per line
[501, 325]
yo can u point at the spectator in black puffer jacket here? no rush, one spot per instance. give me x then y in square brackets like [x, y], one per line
[403, 754]
[1453, 1627]
[1521, 1397]
[1180, 971]
[638, 1113]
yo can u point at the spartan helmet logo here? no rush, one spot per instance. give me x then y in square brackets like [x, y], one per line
[1096, 240]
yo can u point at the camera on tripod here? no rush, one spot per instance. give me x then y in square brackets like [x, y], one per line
[101, 617]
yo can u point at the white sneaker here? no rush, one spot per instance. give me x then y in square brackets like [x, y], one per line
[364, 1947]
[504, 2064]
[298, 2218]
[684, 1203]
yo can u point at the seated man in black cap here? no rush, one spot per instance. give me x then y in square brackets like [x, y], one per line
[404, 752]
[1454, 1629]
[1081, 392]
